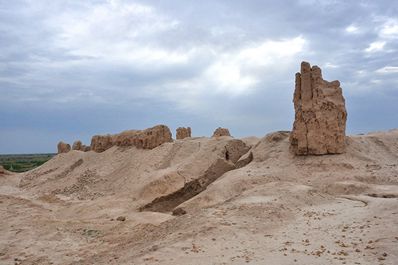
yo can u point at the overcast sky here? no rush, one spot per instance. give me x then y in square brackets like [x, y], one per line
[72, 69]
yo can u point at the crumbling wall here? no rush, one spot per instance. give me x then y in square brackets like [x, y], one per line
[145, 139]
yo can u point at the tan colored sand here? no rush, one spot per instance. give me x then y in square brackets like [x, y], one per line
[279, 209]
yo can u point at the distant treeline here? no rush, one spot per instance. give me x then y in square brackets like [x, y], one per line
[23, 162]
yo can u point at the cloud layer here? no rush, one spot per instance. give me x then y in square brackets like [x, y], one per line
[71, 69]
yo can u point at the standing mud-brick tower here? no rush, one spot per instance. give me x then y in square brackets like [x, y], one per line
[77, 145]
[221, 132]
[183, 132]
[63, 147]
[320, 114]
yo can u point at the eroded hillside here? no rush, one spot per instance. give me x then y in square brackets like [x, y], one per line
[231, 205]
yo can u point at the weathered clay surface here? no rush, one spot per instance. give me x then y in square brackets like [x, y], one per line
[244, 160]
[72, 202]
[63, 147]
[183, 132]
[320, 119]
[234, 149]
[145, 139]
[211, 161]
[221, 132]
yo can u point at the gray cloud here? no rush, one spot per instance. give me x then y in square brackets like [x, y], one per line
[70, 69]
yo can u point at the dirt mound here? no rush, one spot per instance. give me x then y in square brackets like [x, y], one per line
[159, 179]
[370, 159]
[251, 141]
[207, 200]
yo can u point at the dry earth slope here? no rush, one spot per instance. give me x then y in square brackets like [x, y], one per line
[231, 205]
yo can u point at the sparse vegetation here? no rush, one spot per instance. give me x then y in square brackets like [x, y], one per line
[23, 162]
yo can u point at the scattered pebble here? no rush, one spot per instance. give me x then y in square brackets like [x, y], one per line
[121, 218]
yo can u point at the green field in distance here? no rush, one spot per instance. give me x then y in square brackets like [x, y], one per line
[23, 162]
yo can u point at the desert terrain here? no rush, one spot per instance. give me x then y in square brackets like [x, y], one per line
[116, 207]
[309, 196]
[204, 132]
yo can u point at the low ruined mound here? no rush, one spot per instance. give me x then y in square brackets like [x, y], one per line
[63, 147]
[145, 139]
[368, 159]
[320, 119]
[159, 179]
[221, 132]
[183, 132]
[116, 205]
[199, 172]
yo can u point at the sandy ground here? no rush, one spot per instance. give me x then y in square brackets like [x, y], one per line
[278, 209]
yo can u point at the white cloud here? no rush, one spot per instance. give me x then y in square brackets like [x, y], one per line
[238, 71]
[352, 29]
[389, 29]
[231, 73]
[387, 70]
[226, 76]
[376, 46]
[376, 81]
[116, 31]
[269, 51]
[331, 65]
[150, 55]
[361, 72]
